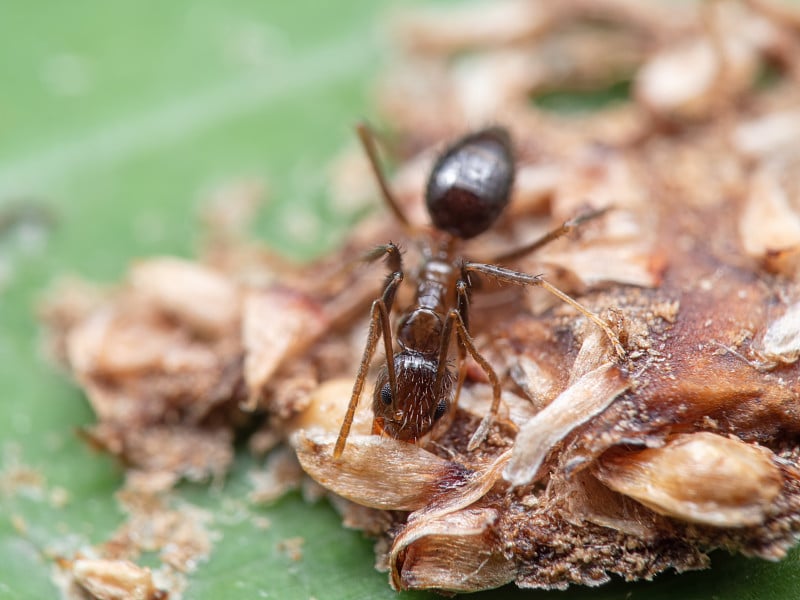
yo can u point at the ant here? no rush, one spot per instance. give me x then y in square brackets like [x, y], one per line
[468, 188]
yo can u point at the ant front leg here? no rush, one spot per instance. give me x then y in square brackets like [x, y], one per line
[379, 324]
[458, 318]
[511, 276]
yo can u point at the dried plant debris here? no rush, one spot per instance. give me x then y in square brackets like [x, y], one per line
[103, 579]
[595, 465]
[689, 444]
[174, 371]
[177, 532]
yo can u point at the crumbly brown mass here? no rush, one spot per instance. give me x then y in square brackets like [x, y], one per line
[686, 445]
[597, 465]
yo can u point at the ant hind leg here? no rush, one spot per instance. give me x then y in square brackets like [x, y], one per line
[511, 276]
[458, 317]
[552, 235]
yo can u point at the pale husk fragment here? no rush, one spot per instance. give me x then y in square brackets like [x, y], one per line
[426, 537]
[584, 399]
[781, 342]
[769, 225]
[724, 61]
[326, 409]
[458, 552]
[774, 133]
[269, 341]
[671, 91]
[206, 301]
[697, 477]
[503, 22]
[590, 501]
[114, 580]
[360, 474]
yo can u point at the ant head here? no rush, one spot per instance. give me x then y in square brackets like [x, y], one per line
[412, 411]
[470, 184]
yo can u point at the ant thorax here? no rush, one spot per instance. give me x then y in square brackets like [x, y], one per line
[420, 332]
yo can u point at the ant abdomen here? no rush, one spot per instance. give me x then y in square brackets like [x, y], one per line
[471, 182]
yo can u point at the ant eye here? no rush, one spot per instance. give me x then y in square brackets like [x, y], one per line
[441, 408]
[386, 394]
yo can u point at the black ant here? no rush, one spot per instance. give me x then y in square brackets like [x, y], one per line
[469, 186]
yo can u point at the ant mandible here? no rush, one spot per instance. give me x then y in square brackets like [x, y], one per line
[469, 186]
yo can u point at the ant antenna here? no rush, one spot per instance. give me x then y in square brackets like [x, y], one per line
[367, 137]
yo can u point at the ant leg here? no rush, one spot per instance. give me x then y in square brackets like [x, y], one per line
[447, 332]
[462, 290]
[462, 286]
[550, 236]
[391, 251]
[394, 261]
[379, 324]
[511, 276]
[456, 317]
[367, 137]
[462, 373]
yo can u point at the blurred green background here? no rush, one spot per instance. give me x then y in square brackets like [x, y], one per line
[116, 118]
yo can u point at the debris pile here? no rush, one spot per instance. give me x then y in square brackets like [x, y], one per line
[598, 465]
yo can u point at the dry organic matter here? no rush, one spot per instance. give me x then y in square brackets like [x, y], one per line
[612, 467]
[596, 465]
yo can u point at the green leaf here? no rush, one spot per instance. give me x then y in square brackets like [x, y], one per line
[115, 118]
